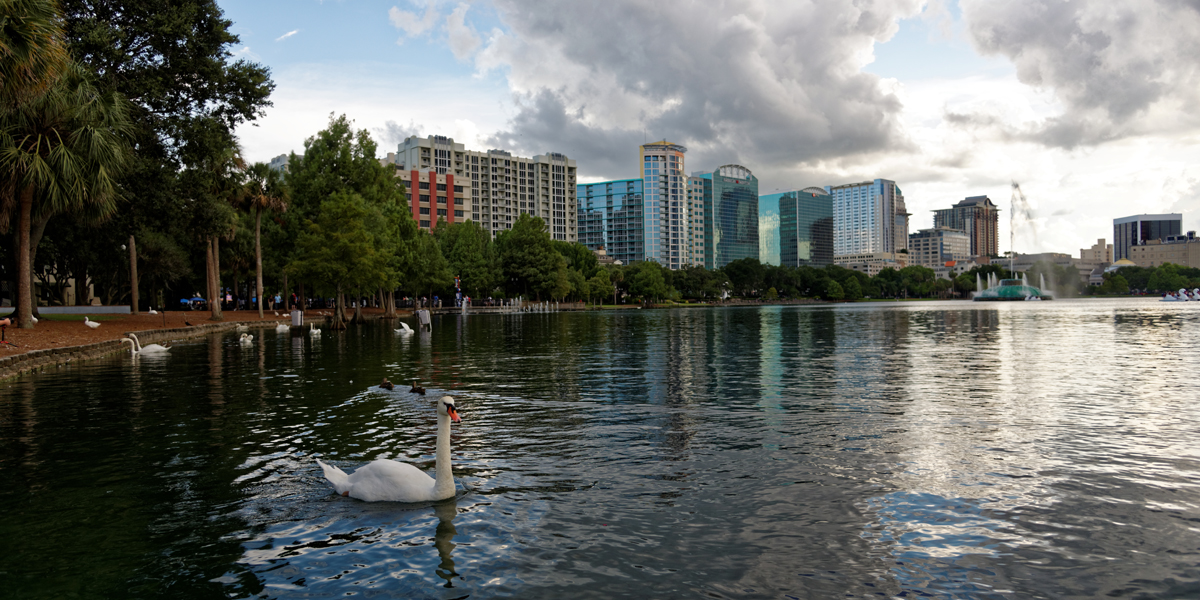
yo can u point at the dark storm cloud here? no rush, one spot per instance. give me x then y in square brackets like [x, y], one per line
[769, 85]
[1112, 65]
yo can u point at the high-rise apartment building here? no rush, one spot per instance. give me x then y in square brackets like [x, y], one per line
[1140, 229]
[699, 191]
[935, 247]
[665, 214]
[611, 218]
[796, 228]
[501, 186]
[979, 217]
[730, 215]
[868, 217]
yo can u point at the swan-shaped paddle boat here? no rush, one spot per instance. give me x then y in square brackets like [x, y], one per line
[136, 347]
[89, 323]
[391, 481]
[404, 329]
[246, 339]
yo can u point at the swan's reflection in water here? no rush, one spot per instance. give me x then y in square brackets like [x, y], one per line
[380, 546]
[443, 540]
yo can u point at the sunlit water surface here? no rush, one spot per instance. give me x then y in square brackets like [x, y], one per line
[949, 450]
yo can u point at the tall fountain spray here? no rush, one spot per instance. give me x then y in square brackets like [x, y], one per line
[978, 283]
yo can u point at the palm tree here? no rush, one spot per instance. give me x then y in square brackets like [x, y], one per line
[32, 52]
[265, 190]
[61, 152]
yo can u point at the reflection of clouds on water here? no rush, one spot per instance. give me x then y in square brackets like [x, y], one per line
[938, 546]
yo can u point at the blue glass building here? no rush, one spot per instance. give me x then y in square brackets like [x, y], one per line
[730, 215]
[796, 228]
[611, 216]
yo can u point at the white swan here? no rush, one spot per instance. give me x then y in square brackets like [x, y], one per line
[246, 339]
[152, 311]
[388, 480]
[149, 349]
[313, 331]
[91, 324]
[243, 327]
[404, 329]
[282, 328]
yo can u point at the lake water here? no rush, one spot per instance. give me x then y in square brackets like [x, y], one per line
[947, 450]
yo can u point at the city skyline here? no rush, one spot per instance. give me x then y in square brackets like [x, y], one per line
[948, 99]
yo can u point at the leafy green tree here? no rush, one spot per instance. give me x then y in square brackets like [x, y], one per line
[339, 159]
[431, 271]
[745, 275]
[60, 152]
[468, 248]
[917, 281]
[1114, 283]
[528, 259]
[339, 249]
[852, 290]
[1166, 278]
[600, 286]
[772, 294]
[174, 63]
[646, 281]
[579, 257]
[832, 290]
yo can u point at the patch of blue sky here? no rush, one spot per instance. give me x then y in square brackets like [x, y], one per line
[928, 47]
[282, 34]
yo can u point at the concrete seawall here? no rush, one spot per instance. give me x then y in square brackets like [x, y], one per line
[37, 360]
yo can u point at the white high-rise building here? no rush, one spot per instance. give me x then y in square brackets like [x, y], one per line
[501, 186]
[665, 214]
[868, 217]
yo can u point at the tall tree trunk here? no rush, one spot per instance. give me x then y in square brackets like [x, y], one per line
[133, 278]
[258, 259]
[300, 299]
[81, 287]
[35, 237]
[24, 270]
[215, 280]
[339, 309]
[286, 296]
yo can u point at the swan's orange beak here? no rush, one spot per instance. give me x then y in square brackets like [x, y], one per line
[453, 414]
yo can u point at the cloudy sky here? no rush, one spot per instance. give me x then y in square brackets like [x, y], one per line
[1091, 106]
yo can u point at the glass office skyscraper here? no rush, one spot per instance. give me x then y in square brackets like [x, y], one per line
[796, 228]
[611, 217]
[730, 215]
[1139, 229]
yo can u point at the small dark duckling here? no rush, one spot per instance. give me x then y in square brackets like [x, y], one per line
[387, 385]
[417, 390]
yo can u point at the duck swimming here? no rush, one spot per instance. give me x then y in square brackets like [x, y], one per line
[416, 390]
[387, 385]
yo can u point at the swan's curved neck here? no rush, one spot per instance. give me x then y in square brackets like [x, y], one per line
[443, 486]
[132, 347]
[136, 342]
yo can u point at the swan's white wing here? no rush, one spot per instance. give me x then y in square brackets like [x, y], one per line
[388, 480]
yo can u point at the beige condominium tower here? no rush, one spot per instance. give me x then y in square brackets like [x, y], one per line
[497, 187]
